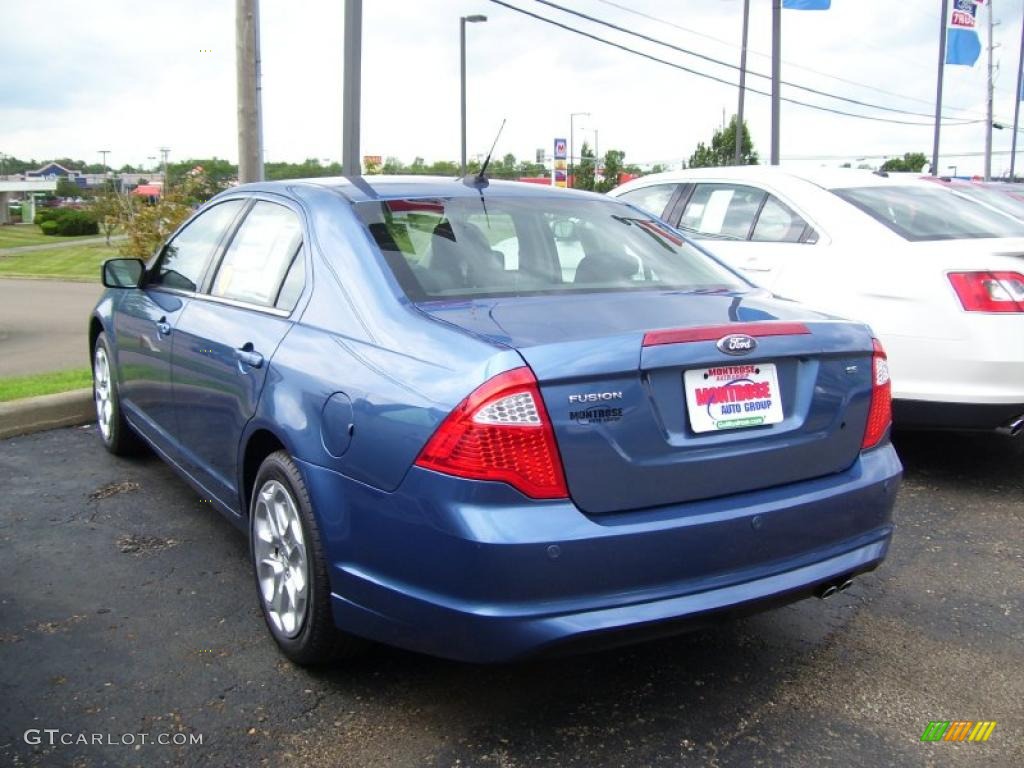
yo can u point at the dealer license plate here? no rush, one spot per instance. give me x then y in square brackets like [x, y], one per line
[732, 397]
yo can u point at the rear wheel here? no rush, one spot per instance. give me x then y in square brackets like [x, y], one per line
[290, 566]
[117, 435]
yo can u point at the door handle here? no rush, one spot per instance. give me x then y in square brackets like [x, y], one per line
[248, 356]
[163, 327]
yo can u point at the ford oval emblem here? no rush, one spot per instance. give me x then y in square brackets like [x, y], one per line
[737, 344]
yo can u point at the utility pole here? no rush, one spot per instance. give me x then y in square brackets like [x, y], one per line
[938, 86]
[989, 95]
[776, 77]
[164, 152]
[743, 83]
[351, 162]
[247, 46]
[1016, 106]
[463, 20]
[103, 153]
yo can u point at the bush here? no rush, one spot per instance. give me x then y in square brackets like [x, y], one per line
[67, 222]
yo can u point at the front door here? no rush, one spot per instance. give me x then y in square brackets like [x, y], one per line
[226, 338]
[146, 320]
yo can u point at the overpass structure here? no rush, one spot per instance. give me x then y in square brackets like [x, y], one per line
[22, 185]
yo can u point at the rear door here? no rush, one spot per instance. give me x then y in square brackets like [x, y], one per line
[226, 338]
[749, 228]
[146, 320]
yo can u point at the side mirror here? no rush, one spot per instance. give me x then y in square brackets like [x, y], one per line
[123, 273]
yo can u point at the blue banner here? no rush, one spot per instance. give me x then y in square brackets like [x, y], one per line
[962, 47]
[807, 5]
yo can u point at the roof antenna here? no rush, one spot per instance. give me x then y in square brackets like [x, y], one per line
[481, 179]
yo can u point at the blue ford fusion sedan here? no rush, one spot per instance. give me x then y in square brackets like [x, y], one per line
[489, 420]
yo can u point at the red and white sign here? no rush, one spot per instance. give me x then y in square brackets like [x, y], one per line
[733, 397]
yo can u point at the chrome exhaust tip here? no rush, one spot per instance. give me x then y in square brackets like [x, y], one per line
[825, 592]
[846, 585]
[1012, 428]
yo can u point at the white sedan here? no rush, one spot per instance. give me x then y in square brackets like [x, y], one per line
[940, 278]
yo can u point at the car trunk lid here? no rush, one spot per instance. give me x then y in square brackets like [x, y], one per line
[614, 379]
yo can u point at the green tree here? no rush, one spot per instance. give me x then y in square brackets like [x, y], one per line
[723, 148]
[911, 162]
[68, 188]
[108, 209]
[583, 176]
[613, 168]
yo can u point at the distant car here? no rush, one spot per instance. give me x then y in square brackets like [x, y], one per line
[939, 278]
[594, 434]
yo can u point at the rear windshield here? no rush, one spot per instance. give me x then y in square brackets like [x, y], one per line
[470, 247]
[1004, 199]
[930, 213]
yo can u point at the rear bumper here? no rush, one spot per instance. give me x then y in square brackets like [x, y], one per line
[487, 576]
[985, 417]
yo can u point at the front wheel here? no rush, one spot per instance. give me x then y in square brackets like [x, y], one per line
[117, 435]
[290, 566]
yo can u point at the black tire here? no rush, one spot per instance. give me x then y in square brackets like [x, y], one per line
[117, 435]
[316, 640]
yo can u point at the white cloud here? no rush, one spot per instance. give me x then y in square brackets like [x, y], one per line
[132, 77]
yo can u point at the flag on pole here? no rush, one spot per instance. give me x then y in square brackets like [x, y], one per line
[962, 43]
[807, 5]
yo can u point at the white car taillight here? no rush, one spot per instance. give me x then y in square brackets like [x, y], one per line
[989, 291]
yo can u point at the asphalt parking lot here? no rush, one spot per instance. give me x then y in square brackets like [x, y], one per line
[126, 608]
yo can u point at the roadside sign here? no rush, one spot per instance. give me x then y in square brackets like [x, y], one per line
[559, 176]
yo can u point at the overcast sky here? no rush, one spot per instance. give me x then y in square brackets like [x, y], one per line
[131, 77]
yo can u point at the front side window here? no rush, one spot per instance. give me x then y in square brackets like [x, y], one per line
[654, 198]
[927, 212]
[724, 211]
[183, 261]
[468, 247]
[260, 255]
[778, 223]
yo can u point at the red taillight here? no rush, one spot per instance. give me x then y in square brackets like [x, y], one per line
[880, 412]
[989, 291]
[500, 432]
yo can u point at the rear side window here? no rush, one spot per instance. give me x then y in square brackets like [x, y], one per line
[654, 198]
[260, 256]
[184, 259]
[467, 247]
[778, 223]
[724, 211]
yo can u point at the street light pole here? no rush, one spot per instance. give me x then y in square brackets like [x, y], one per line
[572, 136]
[938, 86]
[463, 20]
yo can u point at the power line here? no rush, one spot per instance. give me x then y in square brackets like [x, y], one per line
[705, 75]
[730, 65]
[818, 72]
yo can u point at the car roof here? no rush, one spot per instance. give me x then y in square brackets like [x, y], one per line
[828, 178]
[357, 189]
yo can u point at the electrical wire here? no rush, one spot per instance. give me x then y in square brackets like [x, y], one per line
[715, 78]
[818, 72]
[730, 65]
